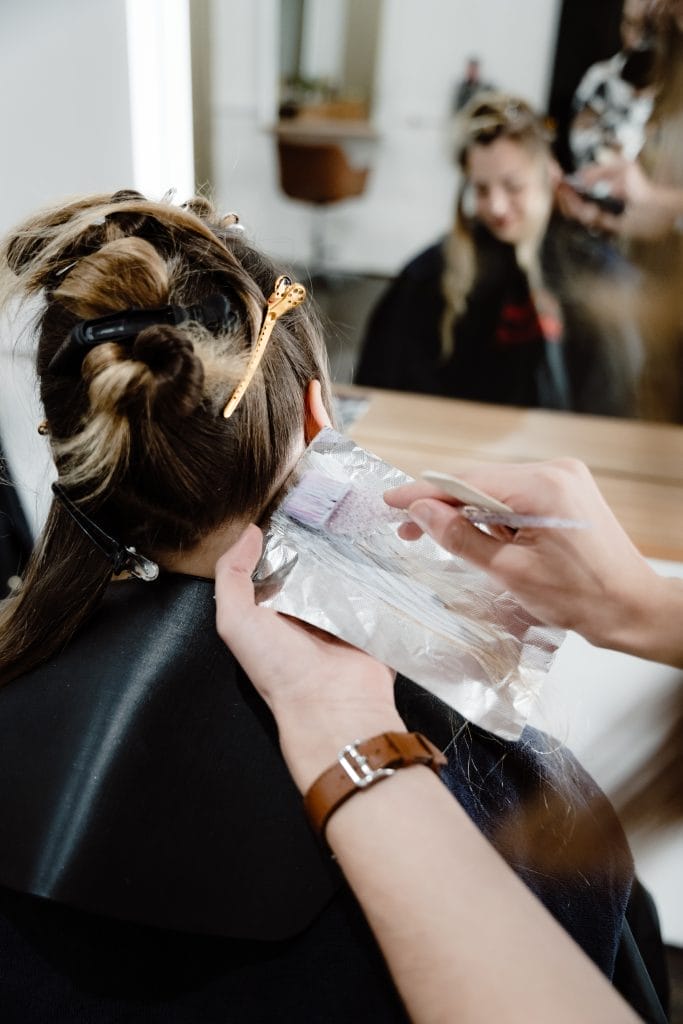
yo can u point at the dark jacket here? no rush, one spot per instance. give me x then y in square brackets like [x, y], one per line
[504, 352]
[155, 858]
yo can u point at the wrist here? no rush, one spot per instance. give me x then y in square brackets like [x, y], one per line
[362, 765]
[661, 635]
[312, 736]
[649, 622]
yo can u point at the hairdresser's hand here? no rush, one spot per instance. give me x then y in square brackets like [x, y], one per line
[591, 580]
[651, 209]
[322, 692]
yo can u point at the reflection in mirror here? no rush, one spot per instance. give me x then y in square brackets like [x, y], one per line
[379, 84]
[327, 56]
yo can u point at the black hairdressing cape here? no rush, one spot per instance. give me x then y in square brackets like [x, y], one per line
[505, 351]
[155, 858]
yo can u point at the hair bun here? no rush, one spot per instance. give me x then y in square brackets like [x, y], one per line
[177, 373]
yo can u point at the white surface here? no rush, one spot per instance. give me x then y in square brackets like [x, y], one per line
[68, 127]
[27, 452]
[160, 96]
[605, 707]
[324, 39]
[64, 105]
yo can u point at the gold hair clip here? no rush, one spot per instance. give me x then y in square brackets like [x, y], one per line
[286, 295]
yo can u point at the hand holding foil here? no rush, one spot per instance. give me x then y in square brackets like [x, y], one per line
[411, 605]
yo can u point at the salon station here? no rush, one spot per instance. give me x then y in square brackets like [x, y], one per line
[329, 126]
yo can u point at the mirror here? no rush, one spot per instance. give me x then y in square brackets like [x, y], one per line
[327, 56]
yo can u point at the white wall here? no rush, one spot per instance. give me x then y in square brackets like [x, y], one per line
[64, 105]
[324, 39]
[65, 116]
[160, 77]
[423, 48]
[75, 120]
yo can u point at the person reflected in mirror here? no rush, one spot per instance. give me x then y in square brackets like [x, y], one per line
[650, 228]
[613, 101]
[471, 84]
[498, 310]
[652, 187]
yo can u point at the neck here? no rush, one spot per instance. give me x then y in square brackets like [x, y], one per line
[201, 559]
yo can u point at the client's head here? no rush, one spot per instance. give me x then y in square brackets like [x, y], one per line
[137, 425]
[504, 152]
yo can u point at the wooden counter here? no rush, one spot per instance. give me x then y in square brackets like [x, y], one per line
[638, 465]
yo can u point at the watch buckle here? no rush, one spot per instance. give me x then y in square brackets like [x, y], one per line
[357, 768]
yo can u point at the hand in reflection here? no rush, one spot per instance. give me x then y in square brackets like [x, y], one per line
[650, 210]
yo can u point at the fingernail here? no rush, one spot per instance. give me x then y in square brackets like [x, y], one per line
[421, 514]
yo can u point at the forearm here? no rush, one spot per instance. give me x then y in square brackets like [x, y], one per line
[648, 623]
[463, 938]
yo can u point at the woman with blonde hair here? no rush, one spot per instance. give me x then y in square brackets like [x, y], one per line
[497, 311]
[156, 861]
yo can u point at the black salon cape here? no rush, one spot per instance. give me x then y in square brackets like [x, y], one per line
[145, 806]
[500, 353]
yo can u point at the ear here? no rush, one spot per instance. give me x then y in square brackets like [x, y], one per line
[316, 415]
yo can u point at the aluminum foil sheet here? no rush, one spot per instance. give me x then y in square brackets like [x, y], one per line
[416, 608]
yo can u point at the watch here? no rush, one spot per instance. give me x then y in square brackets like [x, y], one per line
[363, 763]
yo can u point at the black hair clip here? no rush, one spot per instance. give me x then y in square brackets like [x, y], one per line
[122, 558]
[215, 313]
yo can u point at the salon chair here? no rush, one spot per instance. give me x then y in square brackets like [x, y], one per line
[320, 174]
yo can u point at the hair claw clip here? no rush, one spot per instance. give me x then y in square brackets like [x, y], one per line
[285, 296]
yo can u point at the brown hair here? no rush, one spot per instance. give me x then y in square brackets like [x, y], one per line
[137, 434]
[489, 116]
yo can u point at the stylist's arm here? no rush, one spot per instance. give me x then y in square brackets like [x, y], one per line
[591, 580]
[463, 937]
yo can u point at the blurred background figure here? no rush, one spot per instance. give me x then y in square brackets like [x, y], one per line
[613, 101]
[651, 189]
[471, 84]
[661, 259]
[496, 311]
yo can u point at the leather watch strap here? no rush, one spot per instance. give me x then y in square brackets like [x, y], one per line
[363, 763]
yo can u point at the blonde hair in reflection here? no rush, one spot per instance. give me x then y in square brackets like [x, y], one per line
[488, 117]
